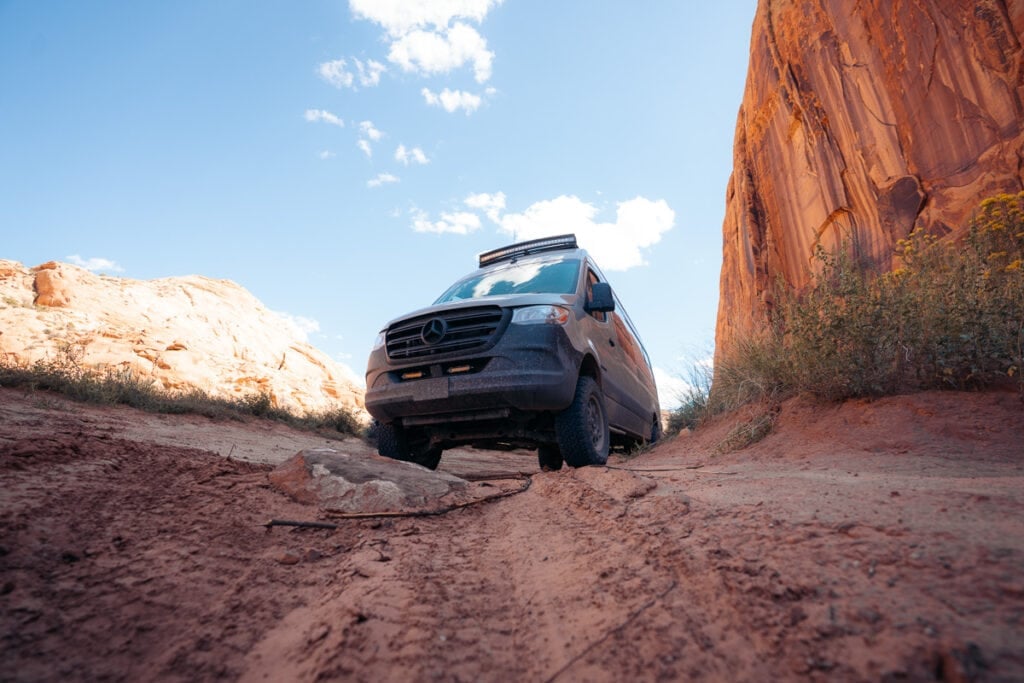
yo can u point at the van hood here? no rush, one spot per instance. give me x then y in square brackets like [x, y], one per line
[503, 301]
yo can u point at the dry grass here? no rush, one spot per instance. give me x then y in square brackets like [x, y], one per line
[65, 375]
[951, 315]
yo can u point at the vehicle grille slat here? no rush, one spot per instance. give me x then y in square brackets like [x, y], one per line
[467, 329]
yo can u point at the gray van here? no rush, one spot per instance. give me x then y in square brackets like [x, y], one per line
[531, 350]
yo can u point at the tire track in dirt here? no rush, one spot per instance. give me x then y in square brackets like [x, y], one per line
[547, 585]
[123, 561]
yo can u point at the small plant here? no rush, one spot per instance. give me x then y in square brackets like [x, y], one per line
[66, 374]
[695, 405]
[950, 315]
[747, 433]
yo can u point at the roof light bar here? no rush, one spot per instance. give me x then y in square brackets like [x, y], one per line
[514, 251]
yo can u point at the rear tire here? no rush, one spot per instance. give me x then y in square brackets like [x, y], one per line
[655, 429]
[549, 458]
[582, 428]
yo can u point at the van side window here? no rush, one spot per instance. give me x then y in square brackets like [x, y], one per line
[591, 279]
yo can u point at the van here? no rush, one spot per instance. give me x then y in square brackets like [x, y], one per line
[531, 350]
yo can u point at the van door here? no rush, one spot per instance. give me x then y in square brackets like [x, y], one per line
[615, 374]
[637, 398]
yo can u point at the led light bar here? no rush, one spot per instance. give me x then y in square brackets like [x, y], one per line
[514, 251]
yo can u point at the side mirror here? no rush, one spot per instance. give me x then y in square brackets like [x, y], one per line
[601, 299]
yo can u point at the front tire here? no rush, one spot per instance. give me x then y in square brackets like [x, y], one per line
[582, 428]
[429, 457]
[392, 442]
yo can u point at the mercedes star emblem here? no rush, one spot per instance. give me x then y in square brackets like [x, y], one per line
[434, 331]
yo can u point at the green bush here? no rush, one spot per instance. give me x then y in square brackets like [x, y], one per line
[951, 315]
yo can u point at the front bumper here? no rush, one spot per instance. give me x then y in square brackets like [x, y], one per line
[532, 368]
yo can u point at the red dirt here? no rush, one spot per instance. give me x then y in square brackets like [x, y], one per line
[869, 541]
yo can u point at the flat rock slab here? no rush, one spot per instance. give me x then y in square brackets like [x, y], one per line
[341, 482]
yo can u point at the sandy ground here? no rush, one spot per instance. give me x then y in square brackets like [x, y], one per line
[874, 541]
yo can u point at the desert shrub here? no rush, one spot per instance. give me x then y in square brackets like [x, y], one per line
[747, 432]
[64, 373]
[694, 405]
[339, 419]
[970, 298]
[951, 315]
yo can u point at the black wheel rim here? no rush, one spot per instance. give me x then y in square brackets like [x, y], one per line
[595, 423]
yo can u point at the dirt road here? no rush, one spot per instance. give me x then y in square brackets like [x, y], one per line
[870, 541]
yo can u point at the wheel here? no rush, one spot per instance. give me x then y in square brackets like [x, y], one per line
[582, 428]
[393, 443]
[655, 429]
[549, 458]
[429, 457]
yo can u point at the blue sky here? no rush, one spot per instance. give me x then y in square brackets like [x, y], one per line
[346, 161]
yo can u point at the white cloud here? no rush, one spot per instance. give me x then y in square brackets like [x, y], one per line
[674, 389]
[382, 179]
[458, 223]
[325, 116]
[671, 389]
[369, 132]
[491, 204]
[299, 326]
[430, 53]
[411, 156]
[398, 17]
[95, 264]
[367, 129]
[336, 73]
[452, 100]
[431, 37]
[369, 73]
[639, 223]
[326, 154]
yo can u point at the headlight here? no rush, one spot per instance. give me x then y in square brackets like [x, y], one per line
[539, 315]
[380, 341]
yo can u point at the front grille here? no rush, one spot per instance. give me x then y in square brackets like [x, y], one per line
[468, 329]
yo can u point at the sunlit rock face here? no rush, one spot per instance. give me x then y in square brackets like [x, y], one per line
[179, 333]
[859, 122]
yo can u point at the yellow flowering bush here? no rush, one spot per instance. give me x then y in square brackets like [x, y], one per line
[951, 314]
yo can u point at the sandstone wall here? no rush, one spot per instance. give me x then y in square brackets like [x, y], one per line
[179, 332]
[862, 121]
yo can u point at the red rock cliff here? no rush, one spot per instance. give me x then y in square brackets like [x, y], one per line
[863, 121]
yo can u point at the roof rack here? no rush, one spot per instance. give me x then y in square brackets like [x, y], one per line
[514, 251]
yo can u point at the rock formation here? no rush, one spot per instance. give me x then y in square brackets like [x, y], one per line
[341, 482]
[179, 332]
[860, 122]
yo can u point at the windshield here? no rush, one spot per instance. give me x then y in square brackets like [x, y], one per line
[549, 276]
